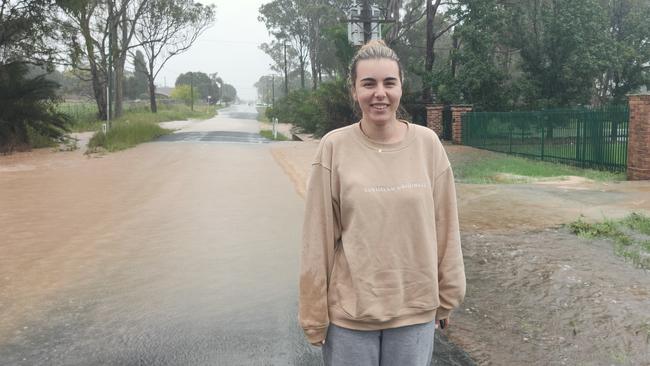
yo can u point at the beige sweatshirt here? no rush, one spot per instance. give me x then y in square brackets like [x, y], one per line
[381, 244]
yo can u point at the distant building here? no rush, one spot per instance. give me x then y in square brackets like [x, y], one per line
[164, 91]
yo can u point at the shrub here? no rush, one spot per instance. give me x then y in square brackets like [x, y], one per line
[316, 112]
[28, 109]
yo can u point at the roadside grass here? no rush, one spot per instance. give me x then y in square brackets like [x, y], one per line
[134, 128]
[84, 118]
[501, 168]
[631, 236]
[269, 135]
[126, 135]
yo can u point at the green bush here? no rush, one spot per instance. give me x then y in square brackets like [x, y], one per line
[28, 109]
[316, 112]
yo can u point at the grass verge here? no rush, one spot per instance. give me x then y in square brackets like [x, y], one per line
[269, 135]
[501, 168]
[175, 112]
[125, 135]
[631, 236]
[134, 128]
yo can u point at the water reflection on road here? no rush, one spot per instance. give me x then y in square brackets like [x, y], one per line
[165, 254]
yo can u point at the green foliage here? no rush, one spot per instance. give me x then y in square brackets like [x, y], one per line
[207, 85]
[627, 234]
[27, 105]
[126, 135]
[185, 94]
[563, 50]
[142, 126]
[316, 112]
[638, 222]
[336, 38]
[229, 93]
[483, 74]
[137, 85]
[628, 50]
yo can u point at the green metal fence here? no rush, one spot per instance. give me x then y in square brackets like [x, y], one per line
[590, 138]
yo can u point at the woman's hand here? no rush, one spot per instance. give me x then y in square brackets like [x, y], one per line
[319, 344]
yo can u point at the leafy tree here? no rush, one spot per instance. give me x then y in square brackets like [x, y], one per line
[27, 104]
[28, 34]
[185, 94]
[562, 46]
[100, 34]
[202, 82]
[269, 87]
[285, 21]
[284, 59]
[137, 84]
[229, 93]
[336, 51]
[479, 65]
[629, 50]
[168, 28]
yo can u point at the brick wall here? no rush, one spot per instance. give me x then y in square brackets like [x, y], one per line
[434, 119]
[638, 146]
[457, 112]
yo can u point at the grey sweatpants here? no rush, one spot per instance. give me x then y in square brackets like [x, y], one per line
[405, 346]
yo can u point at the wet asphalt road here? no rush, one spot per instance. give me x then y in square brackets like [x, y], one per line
[201, 270]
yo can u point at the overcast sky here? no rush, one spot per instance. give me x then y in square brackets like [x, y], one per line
[230, 48]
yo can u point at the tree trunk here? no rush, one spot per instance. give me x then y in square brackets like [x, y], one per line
[427, 94]
[99, 87]
[119, 88]
[286, 72]
[393, 16]
[313, 52]
[455, 47]
[302, 72]
[152, 95]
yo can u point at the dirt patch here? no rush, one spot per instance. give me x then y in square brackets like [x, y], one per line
[549, 298]
[538, 294]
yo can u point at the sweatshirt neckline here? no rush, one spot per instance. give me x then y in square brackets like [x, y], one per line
[380, 146]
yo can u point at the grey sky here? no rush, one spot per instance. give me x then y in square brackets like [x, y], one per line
[230, 47]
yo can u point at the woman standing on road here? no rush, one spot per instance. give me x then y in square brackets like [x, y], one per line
[381, 258]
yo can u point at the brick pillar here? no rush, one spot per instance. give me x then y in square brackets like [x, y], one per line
[457, 112]
[638, 144]
[434, 118]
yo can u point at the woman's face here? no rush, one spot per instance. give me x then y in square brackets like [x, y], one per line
[378, 89]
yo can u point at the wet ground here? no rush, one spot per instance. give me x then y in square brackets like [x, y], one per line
[537, 294]
[182, 251]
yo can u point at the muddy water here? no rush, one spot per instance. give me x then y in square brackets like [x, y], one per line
[168, 253]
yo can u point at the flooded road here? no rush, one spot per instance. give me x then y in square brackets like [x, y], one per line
[171, 253]
[182, 251]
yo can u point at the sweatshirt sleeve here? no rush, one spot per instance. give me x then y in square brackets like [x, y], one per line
[451, 270]
[320, 233]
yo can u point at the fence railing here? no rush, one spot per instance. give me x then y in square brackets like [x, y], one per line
[592, 138]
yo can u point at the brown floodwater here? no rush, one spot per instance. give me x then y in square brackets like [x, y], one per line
[182, 251]
[168, 253]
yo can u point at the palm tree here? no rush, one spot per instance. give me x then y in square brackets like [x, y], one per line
[27, 104]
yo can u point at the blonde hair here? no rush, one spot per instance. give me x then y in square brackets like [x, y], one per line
[373, 50]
